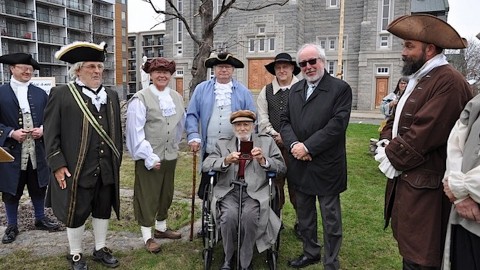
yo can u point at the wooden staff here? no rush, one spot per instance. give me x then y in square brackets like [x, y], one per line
[194, 178]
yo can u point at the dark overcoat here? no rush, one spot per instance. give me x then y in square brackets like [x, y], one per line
[320, 123]
[67, 135]
[415, 200]
[11, 118]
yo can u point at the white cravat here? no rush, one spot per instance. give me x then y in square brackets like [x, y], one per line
[21, 92]
[310, 89]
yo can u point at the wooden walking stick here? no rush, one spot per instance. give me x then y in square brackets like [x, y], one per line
[194, 178]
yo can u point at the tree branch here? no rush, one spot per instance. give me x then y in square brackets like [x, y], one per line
[259, 7]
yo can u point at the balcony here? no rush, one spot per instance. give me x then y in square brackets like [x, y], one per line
[79, 25]
[51, 39]
[42, 17]
[103, 13]
[59, 79]
[17, 33]
[16, 11]
[108, 64]
[78, 6]
[56, 2]
[108, 81]
[103, 31]
[49, 58]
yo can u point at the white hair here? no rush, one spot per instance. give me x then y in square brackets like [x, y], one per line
[320, 50]
[72, 72]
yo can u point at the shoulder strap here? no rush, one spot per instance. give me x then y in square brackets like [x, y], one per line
[91, 119]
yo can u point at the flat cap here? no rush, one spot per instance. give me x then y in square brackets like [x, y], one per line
[159, 63]
[242, 116]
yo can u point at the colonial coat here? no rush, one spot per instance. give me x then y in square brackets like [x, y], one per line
[415, 200]
[320, 123]
[256, 179]
[67, 135]
[11, 118]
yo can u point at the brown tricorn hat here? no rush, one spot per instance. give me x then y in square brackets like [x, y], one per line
[159, 63]
[242, 116]
[223, 58]
[428, 29]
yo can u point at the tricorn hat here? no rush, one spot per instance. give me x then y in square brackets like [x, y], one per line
[242, 116]
[223, 58]
[428, 29]
[159, 63]
[19, 58]
[282, 58]
[80, 51]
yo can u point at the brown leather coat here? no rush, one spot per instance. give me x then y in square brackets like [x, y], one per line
[415, 201]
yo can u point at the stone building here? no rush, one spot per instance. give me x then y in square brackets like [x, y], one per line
[371, 55]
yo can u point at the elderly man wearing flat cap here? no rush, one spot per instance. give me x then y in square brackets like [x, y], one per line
[271, 102]
[210, 107]
[21, 132]
[260, 225]
[412, 146]
[83, 140]
[155, 121]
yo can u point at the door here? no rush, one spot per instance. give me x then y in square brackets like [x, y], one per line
[179, 85]
[381, 90]
[258, 76]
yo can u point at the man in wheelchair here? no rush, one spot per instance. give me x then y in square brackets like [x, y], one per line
[242, 169]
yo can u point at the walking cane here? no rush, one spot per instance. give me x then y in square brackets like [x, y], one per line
[194, 178]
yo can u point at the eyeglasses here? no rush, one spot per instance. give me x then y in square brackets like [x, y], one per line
[310, 61]
[24, 68]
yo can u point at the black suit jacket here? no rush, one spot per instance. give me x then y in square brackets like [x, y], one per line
[320, 123]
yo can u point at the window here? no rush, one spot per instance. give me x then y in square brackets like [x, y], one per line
[383, 71]
[332, 3]
[322, 42]
[261, 45]
[261, 29]
[179, 72]
[179, 36]
[385, 16]
[332, 67]
[384, 41]
[332, 43]
[271, 45]
[179, 50]
[251, 45]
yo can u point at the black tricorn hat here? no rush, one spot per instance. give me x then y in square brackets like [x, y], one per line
[282, 57]
[80, 51]
[223, 58]
[19, 58]
[427, 29]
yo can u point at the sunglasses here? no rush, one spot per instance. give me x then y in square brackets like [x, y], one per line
[310, 61]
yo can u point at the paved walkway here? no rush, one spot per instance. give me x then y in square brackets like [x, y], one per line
[43, 243]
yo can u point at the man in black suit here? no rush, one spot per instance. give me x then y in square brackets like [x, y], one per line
[314, 127]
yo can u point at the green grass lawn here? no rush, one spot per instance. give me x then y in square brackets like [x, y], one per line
[365, 244]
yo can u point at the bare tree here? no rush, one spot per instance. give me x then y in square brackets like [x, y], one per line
[204, 40]
[467, 61]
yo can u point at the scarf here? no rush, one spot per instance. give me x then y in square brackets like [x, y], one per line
[97, 96]
[165, 100]
[21, 92]
[223, 94]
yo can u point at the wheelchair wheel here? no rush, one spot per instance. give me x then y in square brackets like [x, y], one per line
[205, 215]
[272, 259]
[207, 258]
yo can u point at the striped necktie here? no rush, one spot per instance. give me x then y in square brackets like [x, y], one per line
[310, 89]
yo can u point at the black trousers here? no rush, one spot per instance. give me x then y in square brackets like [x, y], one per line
[28, 178]
[465, 249]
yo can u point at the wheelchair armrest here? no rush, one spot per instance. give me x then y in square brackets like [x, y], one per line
[211, 173]
[271, 174]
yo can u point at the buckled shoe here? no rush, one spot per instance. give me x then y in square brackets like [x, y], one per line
[104, 255]
[77, 262]
[10, 234]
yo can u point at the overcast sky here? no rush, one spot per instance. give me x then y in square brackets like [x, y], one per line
[463, 16]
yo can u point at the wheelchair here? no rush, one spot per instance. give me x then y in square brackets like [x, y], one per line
[209, 228]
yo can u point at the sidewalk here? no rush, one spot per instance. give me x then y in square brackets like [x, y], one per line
[366, 117]
[44, 243]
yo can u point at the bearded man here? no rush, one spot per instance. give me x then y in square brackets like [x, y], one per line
[412, 146]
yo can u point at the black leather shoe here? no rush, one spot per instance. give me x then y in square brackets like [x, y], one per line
[10, 234]
[303, 261]
[104, 255]
[226, 266]
[46, 224]
[77, 262]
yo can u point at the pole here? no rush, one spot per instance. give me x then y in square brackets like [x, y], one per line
[194, 178]
[340, 40]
